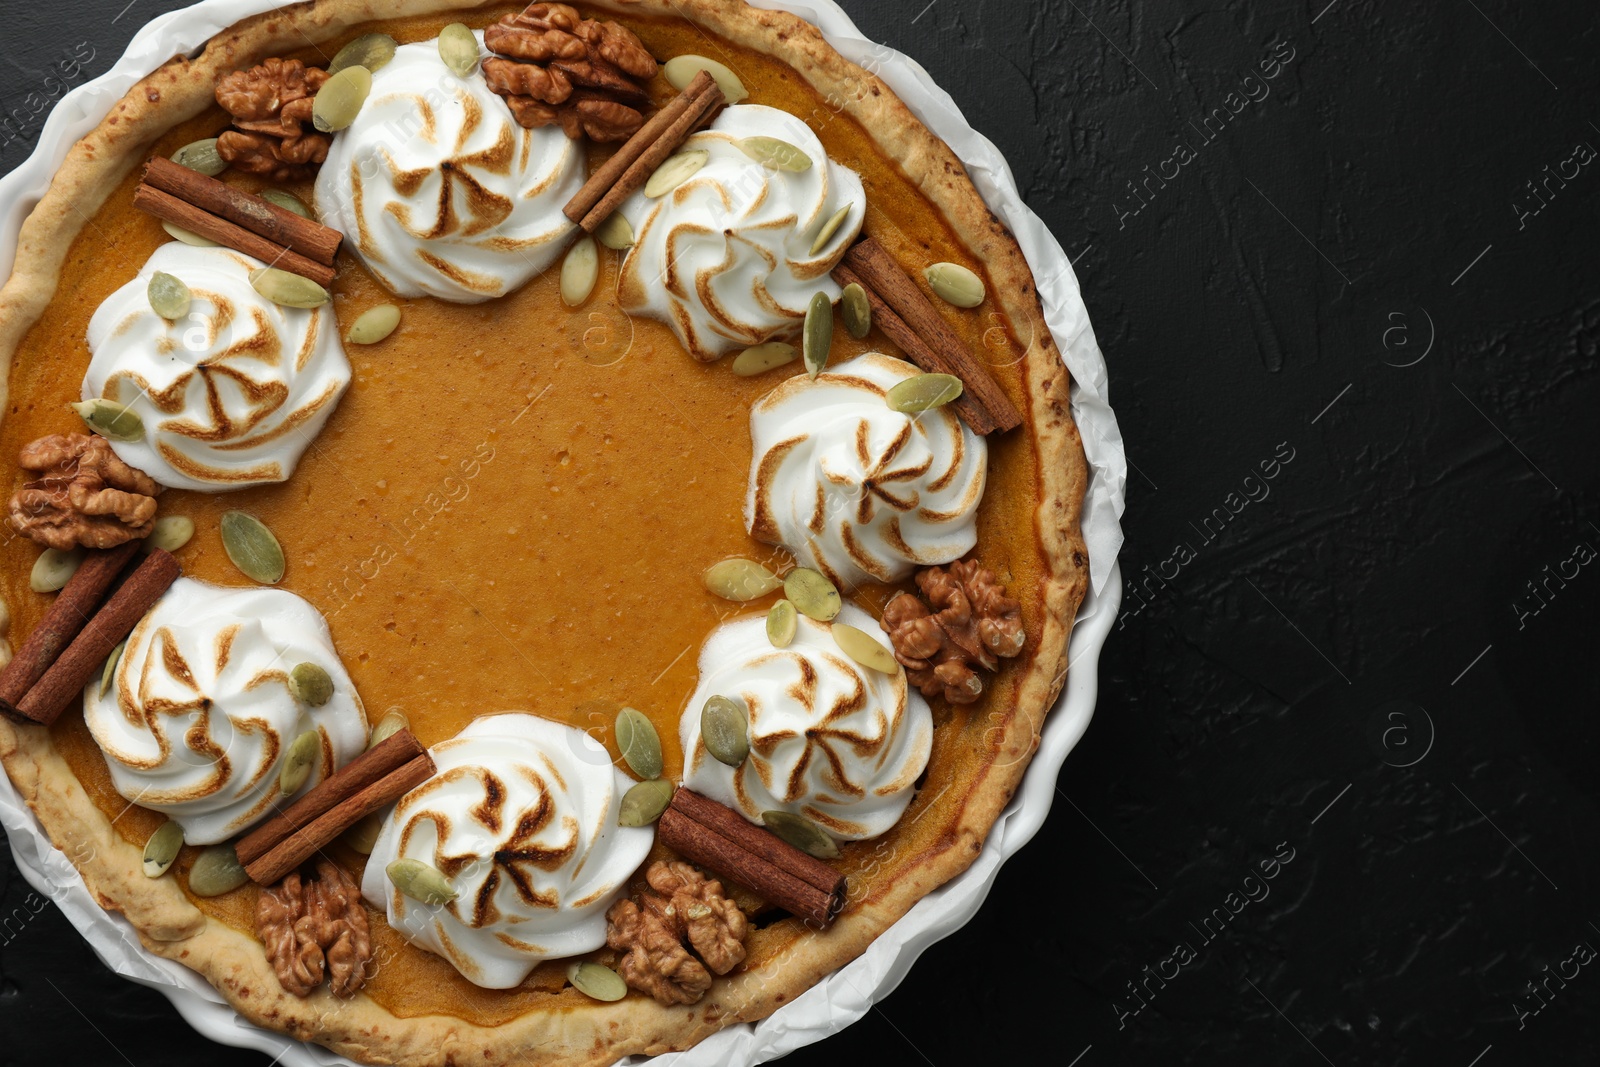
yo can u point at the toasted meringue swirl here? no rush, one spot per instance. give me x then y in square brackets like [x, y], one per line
[725, 258]
[199, 713]
[522, 819]
[439, 191]
[232, 393]
[836, 742]
[855, 489]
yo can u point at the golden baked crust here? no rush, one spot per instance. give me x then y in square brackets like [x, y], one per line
[578, 1033]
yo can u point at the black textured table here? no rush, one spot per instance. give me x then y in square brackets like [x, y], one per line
[1338, 801]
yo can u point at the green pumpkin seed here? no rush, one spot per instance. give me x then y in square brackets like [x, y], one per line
[764, 357]
[859, 646]
[286, 289]
[202, 156]
[108, 673]
[420, 882]
[639, 743]
[616, 233]
[370, 50]
[955, 284]
[363, 836]
[54, 568]
[162, 849]
[830, 228]
[458, 48]
[303, 753]
[680, 71]
[216, 871]
[341, 98]
[188, 237]
[597, 982]
[170, 533]
[739, 580]
[310, 684]
[813, 595]
[725, 730]
[111, 420]
[644, 803]
[782, 623]
[579, 271]
[802, 833]
[287, 201]
[394, 720]
[776, 154]
[373, 325]
[674, 171]
[169, 297]
[922, 392]
[817, 337]
[252, 548]
[856, 310]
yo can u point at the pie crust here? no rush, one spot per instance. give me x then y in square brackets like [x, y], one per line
[576, 1031]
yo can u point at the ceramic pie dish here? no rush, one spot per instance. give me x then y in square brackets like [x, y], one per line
[447, 977]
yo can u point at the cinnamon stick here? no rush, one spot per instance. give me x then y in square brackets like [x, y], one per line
[86, 655]
[256, 214]
[627, 171]
[75, 605]
[714, 836]
[880, 274]
[179, 212]
[365, 784]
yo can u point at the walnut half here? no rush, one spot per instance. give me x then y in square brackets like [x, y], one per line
[82, 494]
[968, 622]
[652, 929]
[271, 108]
[314, 927]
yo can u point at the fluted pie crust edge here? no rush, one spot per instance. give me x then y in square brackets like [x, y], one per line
[588, 1033]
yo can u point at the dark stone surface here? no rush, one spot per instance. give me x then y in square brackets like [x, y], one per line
[1350, 277]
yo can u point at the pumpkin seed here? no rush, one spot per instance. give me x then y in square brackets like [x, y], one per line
[955, 284]
[420, 882]
[216, 871]
[111, 420]
[109, 671]
[298, 761]
[373, 325]
[188, 237]
[921, 392]
[817, 336]
[739, 580]
[579, 271]
[162, 848]
[764, 357]
[370, 50]
[644, 803]
[287, 201]
[252, 548]
[674, 171]
[680, 71]
[341, 97]
[394, 720]
[802, 833]
[813, 595]
[458, 48]
[54, 568]
[202, 156]
[859, 646]
[363, 836]
[639, 743]
[830, 228]
[782, 623]
[310, 684]
[776, 154]
[169, 297]
[616, 233]
[856, 310]
[289, 290]
[170, 533]
[596, 981]
[725, 730]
